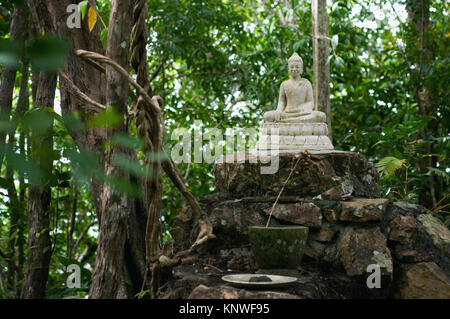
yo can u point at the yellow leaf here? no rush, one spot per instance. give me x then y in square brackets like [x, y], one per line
[92, 18]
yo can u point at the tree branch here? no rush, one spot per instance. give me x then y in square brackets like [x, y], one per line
[158, 69]
[96, 106]
[72, 221]
[101, 58]
[82, 234]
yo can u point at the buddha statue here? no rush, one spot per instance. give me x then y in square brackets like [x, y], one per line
[296, 101]
[296, 125]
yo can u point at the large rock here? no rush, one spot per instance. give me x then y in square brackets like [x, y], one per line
[423, 281]
[321, 251]
[394, 209]
[405, 230]
[363, 209]
[407, 237]
[360, 247]
[439, 234]
[231, 219]
[331, 210]
[411, 254]
[416, 236]
[306, 214]
[326, 233]
[240, 174]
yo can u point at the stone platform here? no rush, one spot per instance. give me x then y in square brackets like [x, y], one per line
[293, 137]
[335, 194]
[326, 173]
[410, 246]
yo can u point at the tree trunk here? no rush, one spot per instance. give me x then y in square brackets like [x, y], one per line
[84, 76]
[16, 201]
[419, 18]
[23, 106]
[110, 279]
[320, 57]
[92, 83]
[71, 226]
[19, 30]
[39, 196]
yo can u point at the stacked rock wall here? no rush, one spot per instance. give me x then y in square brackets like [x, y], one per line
[349, 230]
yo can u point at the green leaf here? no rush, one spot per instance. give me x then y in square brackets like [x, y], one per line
[50, 180]
[122, 185]
[104, 37]
[129, 165]
[339, 62]
[107, 118]
[84, 164]
[432, 170]
[38, 120]
[82, 6]
[142, 294]
[388, 132]
[388, 165]
[73, 123]
[127, 141]
[7, 125]
[25, 166]
[48, 54]
[329, 58]
[335, 40]
[10, 53]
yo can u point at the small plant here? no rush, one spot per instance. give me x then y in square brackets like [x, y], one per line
[142, 294]
[388, 166]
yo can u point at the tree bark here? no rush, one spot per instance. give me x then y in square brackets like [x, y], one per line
[149, 129]
[16, 203]
[39, 196]
[91, 82]
[85, 77]
[71, 228]
[18, 32]
[23, 106]
[320, 56]
[419, 18]
[110, 279]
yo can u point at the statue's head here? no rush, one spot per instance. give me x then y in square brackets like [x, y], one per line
[295, 64]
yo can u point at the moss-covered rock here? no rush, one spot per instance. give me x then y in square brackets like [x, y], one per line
[306, 214]
[363, 209]
[423, 281]
[439, 234]
[231, 219]
[360, 247]
[240, 174]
